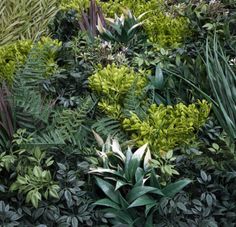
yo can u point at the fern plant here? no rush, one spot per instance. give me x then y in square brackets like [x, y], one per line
[68, 127]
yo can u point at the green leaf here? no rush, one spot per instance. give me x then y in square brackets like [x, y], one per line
[107, 203]
[140, 191]
[158, 77]
[172, 189]
[53, 193]
[154, 180]
[181, 206]
[35, 197]
[103, 170]
[22, 180]
[125, 216]
[147, 160]
[74, 222]
[127, 161]
[203, 175]
[108, 189]
[149, 207]
[37, 171]
[142, 201]
[136, 160]
[120, 184]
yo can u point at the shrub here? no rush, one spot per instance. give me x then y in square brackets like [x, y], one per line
[113, 84]
[131, 186]
[12, 56]
[165, 127]
[162, 28]
[166, 31]
[78, 5]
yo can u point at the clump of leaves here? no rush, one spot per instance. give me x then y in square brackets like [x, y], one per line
[23, 19]
[222, 81]
[162, 28]
[125, 29]
[8, 216]
[33, 176]
[14, 55]
[113, 84]
[166, 127]
[77, 16]
[78, 5]
[130, 185]
[167, 31]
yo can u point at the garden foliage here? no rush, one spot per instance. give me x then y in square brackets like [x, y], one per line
[117, 113]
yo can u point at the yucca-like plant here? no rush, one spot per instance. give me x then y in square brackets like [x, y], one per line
[24, 19]
[131, 186]
[122, 29]
[222, 80]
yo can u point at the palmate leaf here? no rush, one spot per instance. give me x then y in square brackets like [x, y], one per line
[24, 19]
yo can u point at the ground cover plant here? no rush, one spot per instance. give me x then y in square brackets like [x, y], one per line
[118, 113]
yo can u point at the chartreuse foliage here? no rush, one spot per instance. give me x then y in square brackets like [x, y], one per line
[113, 83]
[130, 185]
[163, 29]
[166, 31]
[138, 7]
[12, 56]
[78, 5]
[165, 127]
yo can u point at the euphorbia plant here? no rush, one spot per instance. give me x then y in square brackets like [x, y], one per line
[131, 186]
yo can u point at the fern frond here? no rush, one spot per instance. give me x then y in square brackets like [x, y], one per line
[68, 127]
[133, 103]
[26, 87]
[108, 126]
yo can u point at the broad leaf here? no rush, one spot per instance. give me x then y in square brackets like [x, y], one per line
[107, 203]
[176, 187]
[142, 201]
[108, 189]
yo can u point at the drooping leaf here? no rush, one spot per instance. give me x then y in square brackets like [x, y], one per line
[174, 188]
